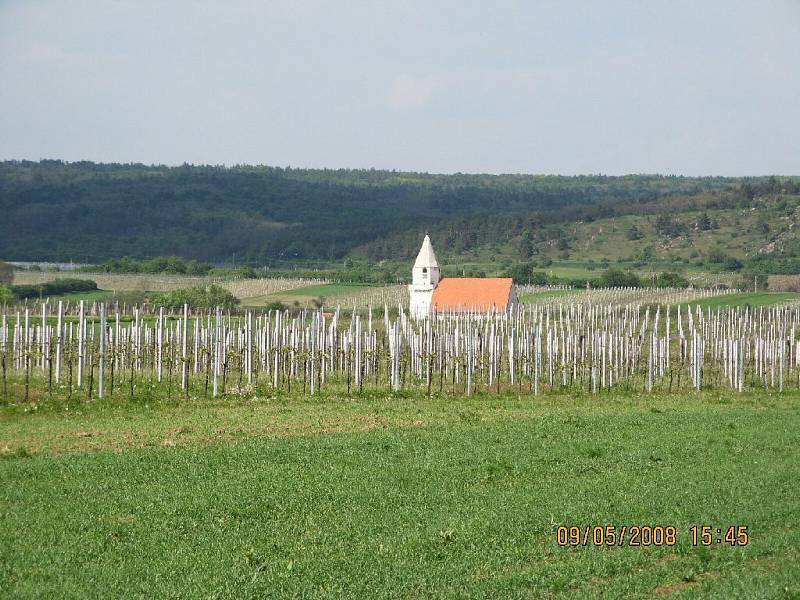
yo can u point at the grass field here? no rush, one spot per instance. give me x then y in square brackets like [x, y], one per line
[98, 296]
[748, 299]
[306, 294]
[547, 295]
[396, 496]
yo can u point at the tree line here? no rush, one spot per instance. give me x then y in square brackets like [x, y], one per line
[90, 212]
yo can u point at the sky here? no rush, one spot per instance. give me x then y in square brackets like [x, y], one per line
[569, 87]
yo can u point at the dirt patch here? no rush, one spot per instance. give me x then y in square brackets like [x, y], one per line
[124, 519]
[667, 558]
[150, 435]
[667, 590]
[80, 434]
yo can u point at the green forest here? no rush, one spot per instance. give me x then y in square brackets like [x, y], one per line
[368, 223]
[90, 212]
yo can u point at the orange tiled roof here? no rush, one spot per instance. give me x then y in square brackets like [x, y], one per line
[472, 293]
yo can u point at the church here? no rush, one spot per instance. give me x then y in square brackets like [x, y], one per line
[430, 293]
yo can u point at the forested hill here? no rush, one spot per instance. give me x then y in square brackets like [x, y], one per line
[84, 211]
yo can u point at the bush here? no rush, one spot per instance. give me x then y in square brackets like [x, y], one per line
[245, 273]
[646, 254]
[618, 278]
[667, 226]
[732, 264]
[6, 296]
[160, 264]
[671, 280]
[788, 265]
[717, 255]
[523, 273]
[634, 233]
[54, 288]
[199, 296]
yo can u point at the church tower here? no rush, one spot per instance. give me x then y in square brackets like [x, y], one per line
[424, 279]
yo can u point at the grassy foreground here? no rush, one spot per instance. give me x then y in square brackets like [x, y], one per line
[396, 496]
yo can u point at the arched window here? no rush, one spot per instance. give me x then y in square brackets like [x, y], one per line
[424, 272]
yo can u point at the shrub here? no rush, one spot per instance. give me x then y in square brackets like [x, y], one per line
[245, 273]
[646, 254]
[732, 264]
[199, 296]
[159, 264]
[523, 273]
[667, 226]
[618, 278]
[787, 265]
[634, 233]
[54, 288]
[671, 280]
[716, 255]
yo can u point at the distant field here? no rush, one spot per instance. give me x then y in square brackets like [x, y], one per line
[114, 281]
[548, 294]
[396, 496]
[330, 289]
[135, 282]
[570, 270]
[306, 294]
[95, 296]
[748, 299]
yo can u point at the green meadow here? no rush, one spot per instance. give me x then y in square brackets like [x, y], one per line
[306, 294]
[396, 495]
[744, 299]
[539, 296]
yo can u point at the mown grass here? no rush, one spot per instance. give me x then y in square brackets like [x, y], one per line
[747, 299]
[306, 294]
[395, 496]
[532, 297]
[326, 289]
[96, 295]
[93, 296]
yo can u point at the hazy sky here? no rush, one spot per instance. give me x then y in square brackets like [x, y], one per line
[537, 87]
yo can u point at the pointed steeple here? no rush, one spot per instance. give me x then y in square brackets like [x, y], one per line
[424, 279]
[426, 256]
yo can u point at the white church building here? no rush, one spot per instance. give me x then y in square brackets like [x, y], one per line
[430, 293]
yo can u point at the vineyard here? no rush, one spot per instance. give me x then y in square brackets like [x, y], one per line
[628, 339]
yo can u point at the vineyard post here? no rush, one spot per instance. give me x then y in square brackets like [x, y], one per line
[81, 342]
[184, 356]
[102, 358]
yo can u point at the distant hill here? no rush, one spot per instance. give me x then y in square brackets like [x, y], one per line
[88, 212]
[710, 232]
